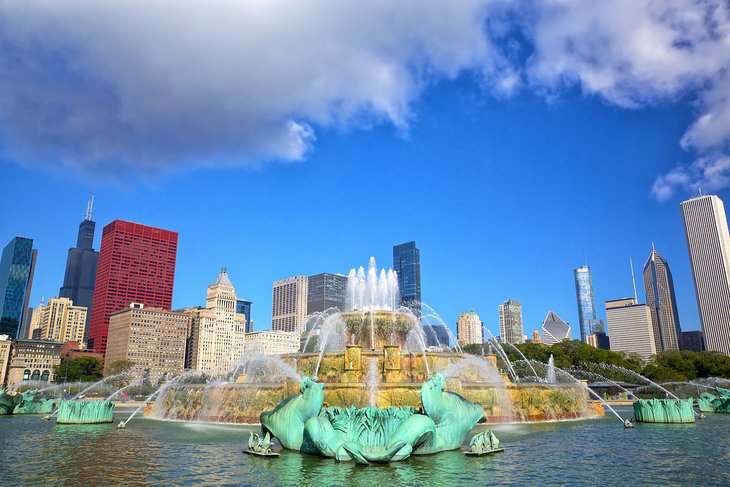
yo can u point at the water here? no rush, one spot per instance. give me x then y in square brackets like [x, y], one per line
[370, 291]
[149, 452]
[550, 377]
[519, 352]
[373, 381]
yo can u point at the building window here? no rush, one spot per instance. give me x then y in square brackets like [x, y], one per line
[36, 375]
[26, 374]
[44, 376]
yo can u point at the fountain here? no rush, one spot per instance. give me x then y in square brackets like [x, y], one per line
[371, 435]
[664, 411]
[24, 403]
[709, 403]
[372, 354]
[550, 377]
[85, 412]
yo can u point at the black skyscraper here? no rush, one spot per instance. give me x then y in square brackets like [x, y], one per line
[78, 283]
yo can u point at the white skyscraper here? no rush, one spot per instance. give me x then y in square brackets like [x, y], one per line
[631, 327]
[217, 336]
[289, 304]
[708, 242]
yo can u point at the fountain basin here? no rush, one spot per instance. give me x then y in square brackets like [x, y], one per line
[399, 378]
[664, 411]
[85, 412]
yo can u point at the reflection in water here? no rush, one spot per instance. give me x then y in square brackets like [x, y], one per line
[162, 453]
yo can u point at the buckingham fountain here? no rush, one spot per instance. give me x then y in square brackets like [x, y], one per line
[373, 354]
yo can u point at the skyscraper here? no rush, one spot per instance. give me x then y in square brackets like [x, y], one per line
[136, 265]
[81, 264]
[660, 298]
[289, 304]
[469, 329]
[16, 280]
[510, 322]
[631, 327]
[325, 291]
[407, 265]
[587, 321]
[554, 329]
[708, 242]
[244, 307]
[217, 333]
[60, 320]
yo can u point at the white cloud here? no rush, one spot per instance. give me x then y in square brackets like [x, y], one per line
[155, 85]
[151, 86]
[638, 52]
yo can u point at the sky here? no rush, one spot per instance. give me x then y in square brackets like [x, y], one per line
[512, 140]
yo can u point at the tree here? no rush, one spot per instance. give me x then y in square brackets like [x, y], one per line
[120, 366]
[83, 369]
[474, 349]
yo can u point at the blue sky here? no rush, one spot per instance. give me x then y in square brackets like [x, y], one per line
[506, 171]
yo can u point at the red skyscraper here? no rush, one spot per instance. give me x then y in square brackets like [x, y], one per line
[136, 265]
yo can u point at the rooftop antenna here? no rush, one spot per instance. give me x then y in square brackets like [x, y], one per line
[633, 280]
[90, 209]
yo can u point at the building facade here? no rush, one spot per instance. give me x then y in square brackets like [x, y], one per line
[289, 304]
[16, 280]
[217, 337]
[536, 337]
[152, 338]
[34, 360]
[708, 242]
[81, 264]
[631, 327]
[510, 322]
[60, 320]
[244, 308]
[554, 329]
[469, 329]
[659, 288]
[325, 291]
[6, 345]
[272, 342]
[587, 321]
[407, 266]
[136, 265]
[693, 341]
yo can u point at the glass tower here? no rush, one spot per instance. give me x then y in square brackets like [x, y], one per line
[325, 291]
[588, 323]
[245, 308]
[16, 278]
[407, 264]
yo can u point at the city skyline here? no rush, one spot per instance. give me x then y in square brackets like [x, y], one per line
[264, 322]
[478, 162]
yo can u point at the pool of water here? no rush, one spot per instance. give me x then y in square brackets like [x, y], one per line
[148, 452]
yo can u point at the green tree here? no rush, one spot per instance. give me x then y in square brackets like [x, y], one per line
[120, 366]
[83, 369]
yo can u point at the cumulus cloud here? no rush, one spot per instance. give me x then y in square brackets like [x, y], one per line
[151, 86]
[638, 52]
[113, 87]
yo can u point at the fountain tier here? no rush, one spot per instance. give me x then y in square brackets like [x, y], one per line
[384, 378]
